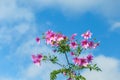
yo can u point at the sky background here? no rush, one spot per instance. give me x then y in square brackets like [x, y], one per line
[21, 21]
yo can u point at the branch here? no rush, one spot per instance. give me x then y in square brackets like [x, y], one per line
[60, 64]
[67, 60]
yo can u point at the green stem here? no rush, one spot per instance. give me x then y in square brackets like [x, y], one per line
[60, 64]
[57, 63]
[67, 60]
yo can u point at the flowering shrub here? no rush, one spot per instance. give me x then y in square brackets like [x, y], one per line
[61, 44]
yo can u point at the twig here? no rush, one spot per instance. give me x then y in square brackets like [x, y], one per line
[67, 60]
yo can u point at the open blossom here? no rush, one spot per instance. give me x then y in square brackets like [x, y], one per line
[87, 35]
[38, 40]
[76, 60]
[92, 44]
[73, 45]
[37, 58]
[53, 38]
[80, 61]
[50, 36]
[88, 44]
[49, 33]
[89, 58]
[83, 62]
[73, 36]
[84, 44]
[59, 37]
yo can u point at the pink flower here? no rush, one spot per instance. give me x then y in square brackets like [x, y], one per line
[73, 36]
[72, 53]
[73, 45]
[87, 35]
[80, 61]
[37, 58]
[38, 40]
[49, 32]
[88, 44]
[83, 62]
[92, 44]
[84, 44]
[59, 37]
[50, 37]
[53, 38]
[76, 60]
[89, 58]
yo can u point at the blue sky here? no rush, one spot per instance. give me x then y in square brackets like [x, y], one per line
[22, 21]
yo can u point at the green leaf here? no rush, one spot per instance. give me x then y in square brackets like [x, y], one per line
[80, 77]
[53, 59]
[78, 50]
[44, 58]
[53, 74]
[77, 67]
[63, 47]
[94, 67]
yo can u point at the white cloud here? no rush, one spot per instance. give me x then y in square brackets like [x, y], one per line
[9, 35]
[41, 72]
[31, 47]
[108, 8]
[4, 35]
[15, 21]
[22, 28]
[76, 6]
[10, 11]
[110, 69]
[115, 26]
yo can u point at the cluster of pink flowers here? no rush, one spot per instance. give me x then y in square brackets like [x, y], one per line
[53, 38]
[83, 61]
[37, 58]
[62, 44]
[86, 43]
